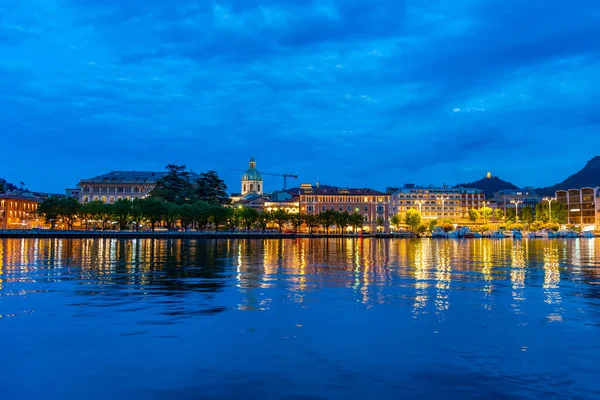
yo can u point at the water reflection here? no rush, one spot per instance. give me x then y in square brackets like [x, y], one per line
[345, 318]
[367, 268]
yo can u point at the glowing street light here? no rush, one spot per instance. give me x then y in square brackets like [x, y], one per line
[549, 200]
[442, 198]
[516, 203]
[420, 203]
[485, 204]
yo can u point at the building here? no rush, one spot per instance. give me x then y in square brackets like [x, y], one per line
[515, 198]
[283, 200]
[367, 202]
[18, 211]
[252, 181]
[116, 185]
[437, 202]
[583, 206]
[74, 193]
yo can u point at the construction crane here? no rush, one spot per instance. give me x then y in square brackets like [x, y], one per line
[285, 176]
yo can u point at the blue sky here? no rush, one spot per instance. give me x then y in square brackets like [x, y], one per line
[360, 93]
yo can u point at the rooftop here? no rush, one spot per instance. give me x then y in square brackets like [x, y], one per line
[131, 177]
[332, 190]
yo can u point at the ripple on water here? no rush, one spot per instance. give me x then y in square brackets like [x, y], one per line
[300, 319]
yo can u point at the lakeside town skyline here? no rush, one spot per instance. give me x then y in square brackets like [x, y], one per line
[274, 182]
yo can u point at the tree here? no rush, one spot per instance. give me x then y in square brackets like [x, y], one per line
[86, 212]
[486, 213]
[2, 186]
[48, 208]
[446, 225]
[396, 220]
[98, 211]
[473, 215]
[312, 221]
[413, 219]
[327, 218]
[280, 217]
[202, 212]
[380, 222]
[248, 217]
[220, 215]
[558, 211]
[171, 214]
[356, 220]
[297, 219]
[498, 214]
[67, 210]
[152, 210]
[432, 224]
[121, 211]
[186, 214]
[511, 215]
[175, 186]
[136, 212]
[263, 220]
[342, 220]
[211, 188]
[105, 212]
[526, 215]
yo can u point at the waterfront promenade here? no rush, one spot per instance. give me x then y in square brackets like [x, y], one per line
[78, 234]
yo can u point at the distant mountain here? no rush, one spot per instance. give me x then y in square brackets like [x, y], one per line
[589, 176]
[489, 185]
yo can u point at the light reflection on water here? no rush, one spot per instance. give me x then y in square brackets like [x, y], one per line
[337, 318]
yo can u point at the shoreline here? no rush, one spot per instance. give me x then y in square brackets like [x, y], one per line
[46, 234]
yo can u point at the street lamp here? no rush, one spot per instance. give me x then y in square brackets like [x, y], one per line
[485, 204]
[420, 203]
[442, 199]
[516, 203]
[549, 200]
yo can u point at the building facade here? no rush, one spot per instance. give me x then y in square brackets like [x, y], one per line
[515, 198]
[437, 203]
[116, 185]
[18, 211]
[583, 206]
[370, 203]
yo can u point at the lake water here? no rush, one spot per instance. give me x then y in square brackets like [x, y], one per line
[299, 319]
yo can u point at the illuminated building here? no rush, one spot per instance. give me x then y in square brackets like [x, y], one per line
[583, 205]
[116, 185]
[283, 200]
[18, 211]
[436, 202]
[525, 197]
[252, 181]
[367, 202]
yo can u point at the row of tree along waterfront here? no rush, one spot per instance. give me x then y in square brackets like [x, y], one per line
[176, 201]
[202, 215]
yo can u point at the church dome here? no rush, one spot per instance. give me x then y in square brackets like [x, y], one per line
[252, 173]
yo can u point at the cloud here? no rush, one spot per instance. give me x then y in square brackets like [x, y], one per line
[326, 89]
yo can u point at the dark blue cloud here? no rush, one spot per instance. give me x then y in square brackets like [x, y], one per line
[348, 92]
